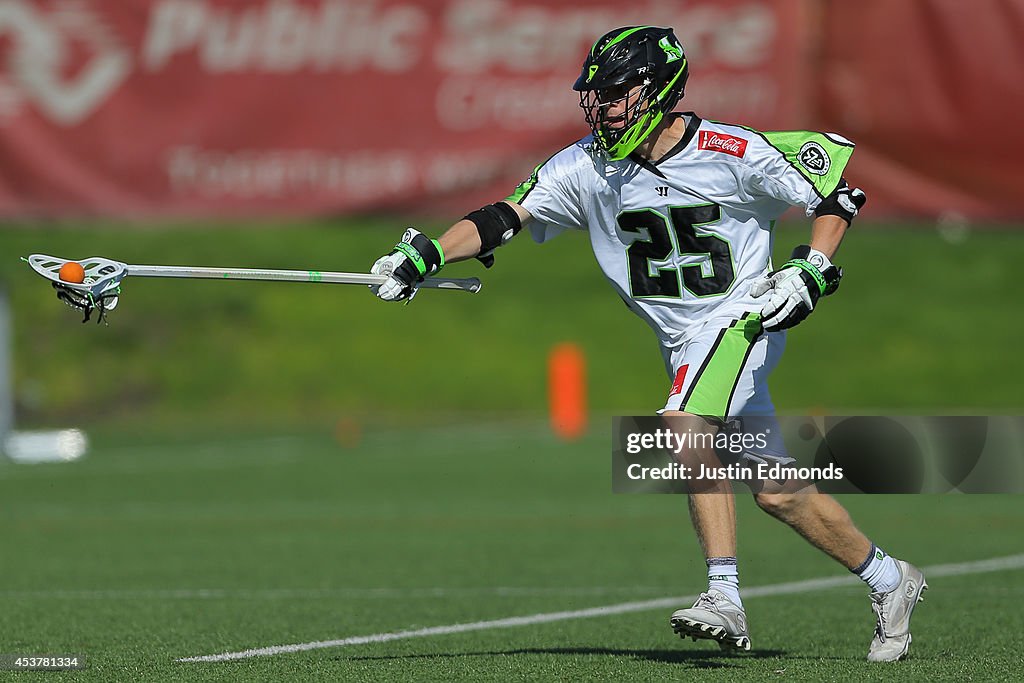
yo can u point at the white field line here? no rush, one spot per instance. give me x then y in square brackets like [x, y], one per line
[958, 569]
[319, 593]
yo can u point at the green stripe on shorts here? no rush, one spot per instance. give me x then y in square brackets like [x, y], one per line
[715, 383]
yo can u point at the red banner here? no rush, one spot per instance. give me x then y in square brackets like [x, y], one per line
[305, 107]
[930, 91]
[241, 108]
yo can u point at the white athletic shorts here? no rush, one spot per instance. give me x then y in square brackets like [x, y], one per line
[722, 373]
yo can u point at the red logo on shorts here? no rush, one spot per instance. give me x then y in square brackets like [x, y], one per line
[677, 383]
[720, 142]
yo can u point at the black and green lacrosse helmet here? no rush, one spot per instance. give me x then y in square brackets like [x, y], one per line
[620, 60]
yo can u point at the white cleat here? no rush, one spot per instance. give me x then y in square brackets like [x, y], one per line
[715, 617]
[893, 610]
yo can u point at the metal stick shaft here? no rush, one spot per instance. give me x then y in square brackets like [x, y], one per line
[462, 284]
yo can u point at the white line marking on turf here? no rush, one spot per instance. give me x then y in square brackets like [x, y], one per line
[320, 593]
[958, 569]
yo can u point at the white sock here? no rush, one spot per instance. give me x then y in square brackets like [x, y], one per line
[724, 577]
[879, 571]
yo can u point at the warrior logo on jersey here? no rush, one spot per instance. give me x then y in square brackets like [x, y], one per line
[720, 142]
[814, 158]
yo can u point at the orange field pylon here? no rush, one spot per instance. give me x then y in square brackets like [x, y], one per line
[567, 391]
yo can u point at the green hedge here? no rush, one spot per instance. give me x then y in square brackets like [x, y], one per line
[921, 324]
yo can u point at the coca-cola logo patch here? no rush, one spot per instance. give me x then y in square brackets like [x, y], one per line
[720, 142]
[814, 158]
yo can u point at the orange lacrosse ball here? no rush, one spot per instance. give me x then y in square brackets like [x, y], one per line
[72, 272]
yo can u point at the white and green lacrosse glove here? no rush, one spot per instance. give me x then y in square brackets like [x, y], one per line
[412, 259]
[795, 288]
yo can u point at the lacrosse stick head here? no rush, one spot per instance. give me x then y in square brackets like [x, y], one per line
[97, 292]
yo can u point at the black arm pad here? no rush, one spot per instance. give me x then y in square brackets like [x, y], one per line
[496, 224]
[843, 202]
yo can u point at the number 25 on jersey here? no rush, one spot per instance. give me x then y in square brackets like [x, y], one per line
[676, 235]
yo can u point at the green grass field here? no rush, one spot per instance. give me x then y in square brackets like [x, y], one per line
[158, 547]
[188, 531]
[920, 324]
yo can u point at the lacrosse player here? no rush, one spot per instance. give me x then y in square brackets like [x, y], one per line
[680, 212]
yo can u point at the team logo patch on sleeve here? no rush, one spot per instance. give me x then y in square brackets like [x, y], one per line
[814, 158]
[720, 142]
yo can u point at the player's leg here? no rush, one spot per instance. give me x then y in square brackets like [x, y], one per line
[706, 373]
[718, 613]
[896, 586]
[712, 509]
[714, 519]
[820, 519]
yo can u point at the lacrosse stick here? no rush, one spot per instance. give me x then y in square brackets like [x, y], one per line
[102, 285]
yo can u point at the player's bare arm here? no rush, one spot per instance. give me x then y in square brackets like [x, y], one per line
[809, 274]
[827, 234]
[462, 241]
[475, 236]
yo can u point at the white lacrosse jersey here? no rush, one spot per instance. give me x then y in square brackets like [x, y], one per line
[682, 239]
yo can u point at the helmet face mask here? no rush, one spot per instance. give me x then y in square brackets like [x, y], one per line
[631, 78]
[615, 132]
